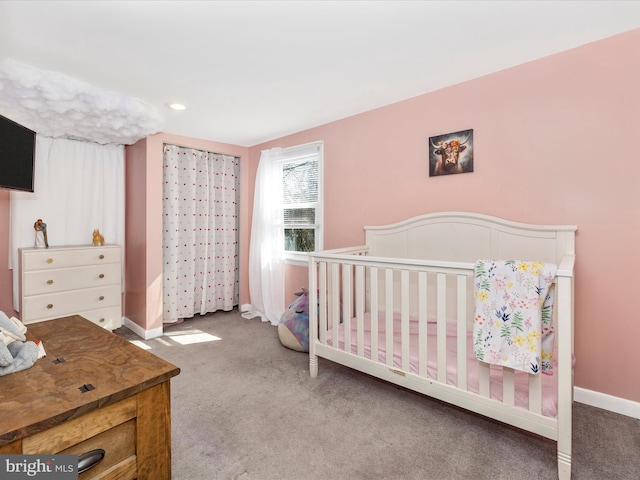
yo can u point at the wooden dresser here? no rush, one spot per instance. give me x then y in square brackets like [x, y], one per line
[83, 280]
[94, 390]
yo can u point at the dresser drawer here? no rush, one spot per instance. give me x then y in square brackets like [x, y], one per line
[109, 318]
[119, 447]
[45, 259]
[61, 304]
[58, 280]
[77, 430]
[112, 429]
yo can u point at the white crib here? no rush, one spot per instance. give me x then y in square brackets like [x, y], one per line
[414, 279]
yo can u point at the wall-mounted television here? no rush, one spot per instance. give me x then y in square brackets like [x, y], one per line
[17, 155]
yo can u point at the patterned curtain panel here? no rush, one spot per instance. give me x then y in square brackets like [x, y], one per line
[200, 232]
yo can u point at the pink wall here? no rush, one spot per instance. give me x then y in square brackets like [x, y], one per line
[143, 303]
[552, 144]
[6, 282]
[135, 296]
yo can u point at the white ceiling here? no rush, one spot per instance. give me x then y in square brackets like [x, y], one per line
[252, 71]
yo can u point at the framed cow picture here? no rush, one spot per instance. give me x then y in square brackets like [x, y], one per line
[451, 153]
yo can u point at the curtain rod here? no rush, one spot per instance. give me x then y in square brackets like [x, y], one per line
[200, 149]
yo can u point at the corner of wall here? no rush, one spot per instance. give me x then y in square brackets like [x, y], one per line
[141, 332]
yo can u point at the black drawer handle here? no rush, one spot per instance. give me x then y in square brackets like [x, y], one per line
[90, 459]
[101, 275]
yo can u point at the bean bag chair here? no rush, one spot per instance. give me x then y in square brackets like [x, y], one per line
[293, 329]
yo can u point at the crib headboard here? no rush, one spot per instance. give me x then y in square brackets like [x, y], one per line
[467, 237]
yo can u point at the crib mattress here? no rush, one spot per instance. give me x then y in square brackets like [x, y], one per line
[549, 382]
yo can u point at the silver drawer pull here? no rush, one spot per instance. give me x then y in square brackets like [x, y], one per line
[49, 260]
[101, 257]
[50, 306]
[49, 282]
[101, 275]
[101, 297]
[90, 459]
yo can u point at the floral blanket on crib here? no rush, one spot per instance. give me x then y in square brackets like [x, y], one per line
[513, 312]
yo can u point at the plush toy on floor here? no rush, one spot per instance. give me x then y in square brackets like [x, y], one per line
[15, 352]
[293, 328]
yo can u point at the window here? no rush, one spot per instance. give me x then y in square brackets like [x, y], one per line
[301, 200]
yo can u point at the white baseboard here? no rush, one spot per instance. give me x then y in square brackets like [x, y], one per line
[141, 332]
[607, 402]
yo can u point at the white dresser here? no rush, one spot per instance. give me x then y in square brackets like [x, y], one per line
[60, 281]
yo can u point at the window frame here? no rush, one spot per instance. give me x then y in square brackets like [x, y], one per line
[291, 155]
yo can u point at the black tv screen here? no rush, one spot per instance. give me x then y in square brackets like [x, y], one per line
[17, 155]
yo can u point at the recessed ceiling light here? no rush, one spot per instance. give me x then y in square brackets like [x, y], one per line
[177, 106]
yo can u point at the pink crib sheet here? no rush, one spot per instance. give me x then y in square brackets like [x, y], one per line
[549, 382]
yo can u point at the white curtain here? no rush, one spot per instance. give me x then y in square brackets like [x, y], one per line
[78, 187]
[200, 239]
[266, 250]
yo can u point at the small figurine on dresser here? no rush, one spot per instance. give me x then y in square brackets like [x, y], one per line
[98, 239]
[41, 234]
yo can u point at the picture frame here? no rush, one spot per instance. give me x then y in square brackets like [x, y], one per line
[451, 153]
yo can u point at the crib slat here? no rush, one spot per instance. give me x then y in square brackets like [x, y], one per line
[360, 309]
[461, 334]
[441, 315]
[322, 315]
[347, 296]
[373, 276]
[388, 288]
[422, 323]
[484, 372]
[508, 386]
[535, 393]
[334, 318]
[404, 318]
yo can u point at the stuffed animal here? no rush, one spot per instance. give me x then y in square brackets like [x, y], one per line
[293, 329]
[15, 352]
[98, 239]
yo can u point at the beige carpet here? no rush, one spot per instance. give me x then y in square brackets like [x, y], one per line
[244, 407]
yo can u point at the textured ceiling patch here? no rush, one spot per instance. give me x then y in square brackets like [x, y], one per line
[56, 105]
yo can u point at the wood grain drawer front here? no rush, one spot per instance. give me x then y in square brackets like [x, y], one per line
[77, 430]
[51, 281]
[14, 447]
[119, 446]
[45, 259]
[67, 303]
[125, 470]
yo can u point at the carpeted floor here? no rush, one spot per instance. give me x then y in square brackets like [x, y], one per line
[244, 407]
